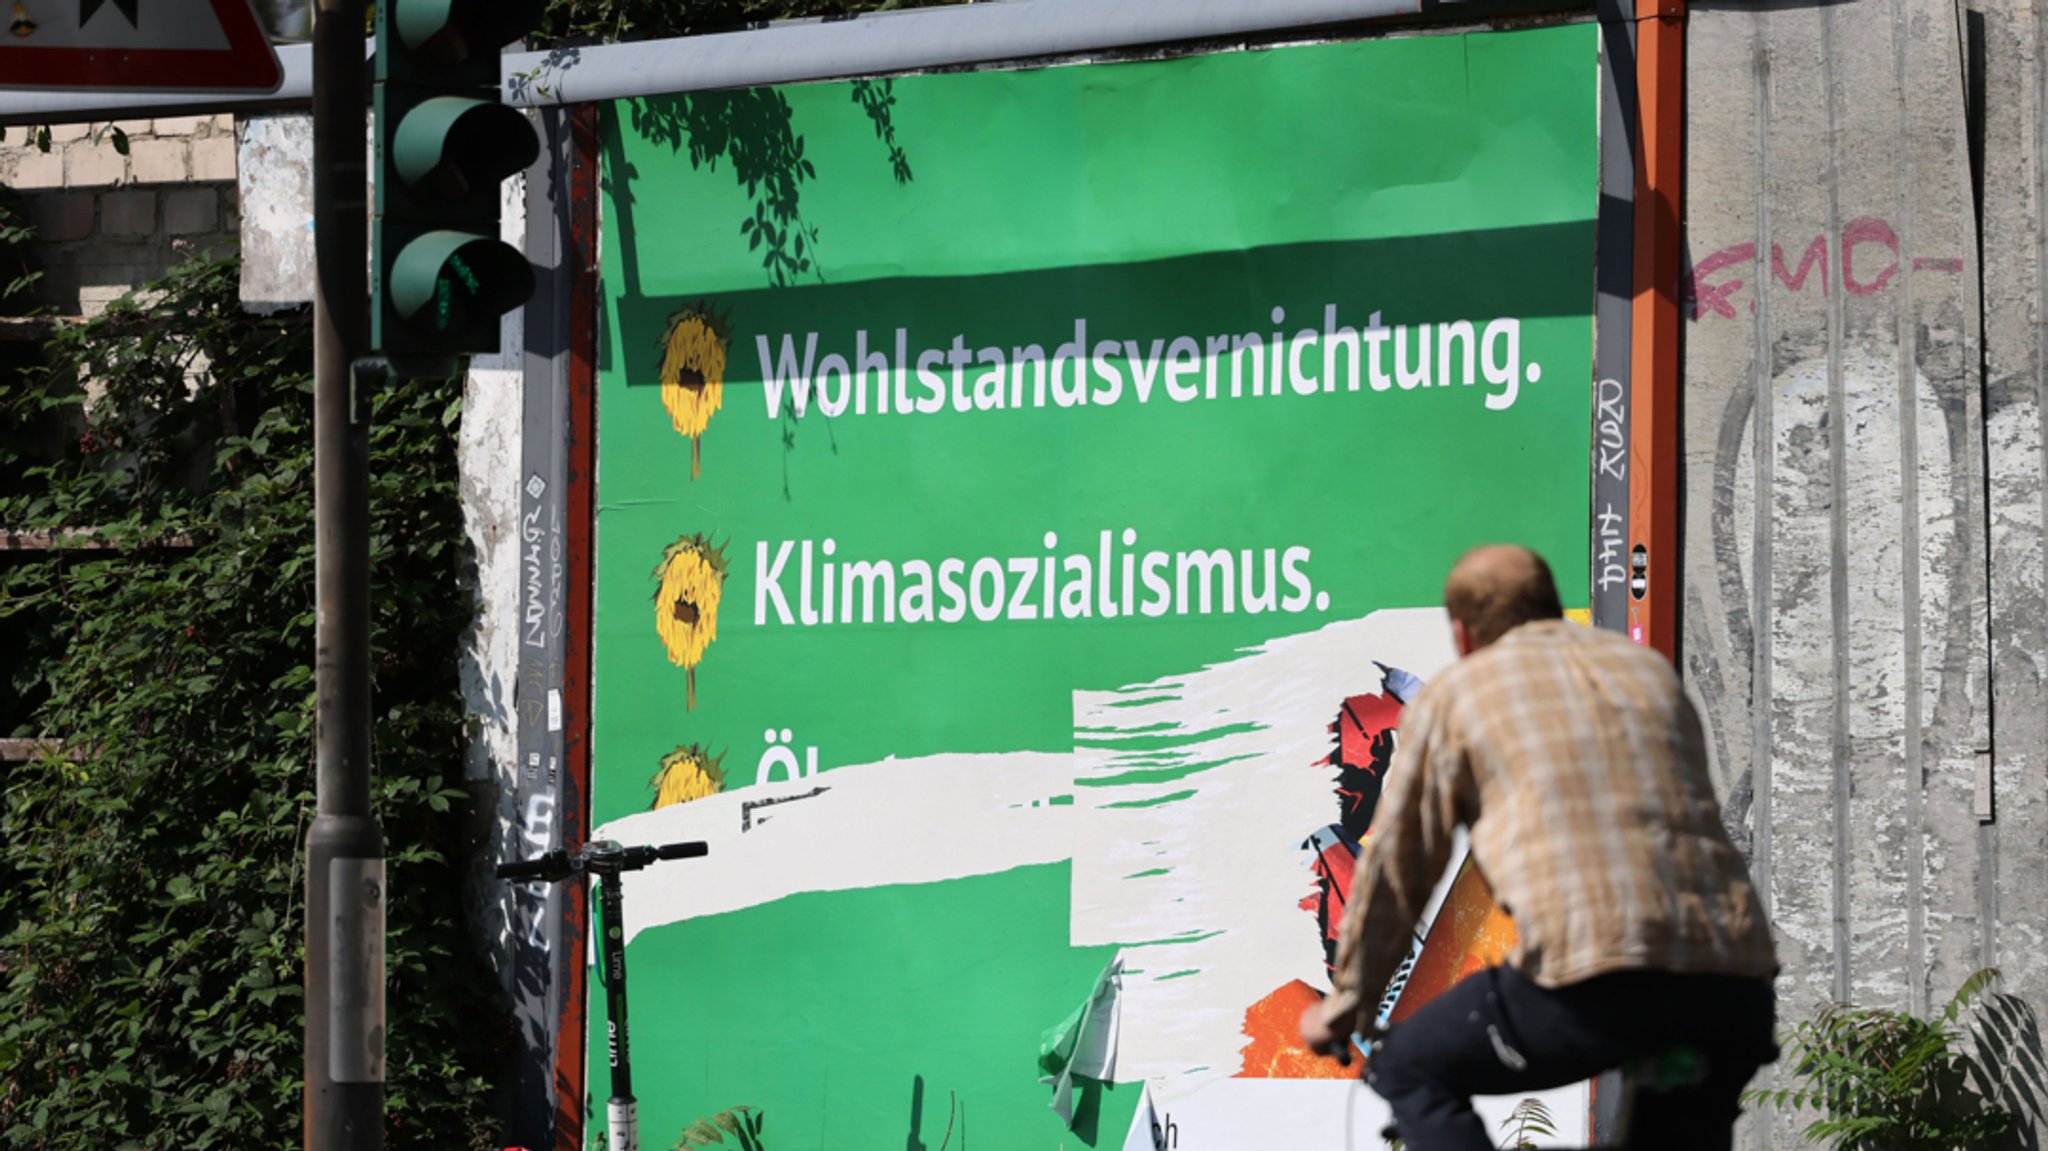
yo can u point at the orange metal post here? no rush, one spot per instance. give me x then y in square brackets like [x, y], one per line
[580, 263]
[1654, 361]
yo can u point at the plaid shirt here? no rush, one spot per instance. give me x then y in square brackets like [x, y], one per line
[1578, 764]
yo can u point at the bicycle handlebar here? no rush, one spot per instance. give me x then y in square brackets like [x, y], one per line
[1355, 1044]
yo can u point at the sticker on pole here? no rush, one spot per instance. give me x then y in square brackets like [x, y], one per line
[157, 45]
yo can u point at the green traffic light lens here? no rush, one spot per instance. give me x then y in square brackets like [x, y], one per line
[452, 145]
[428, 27]
[451, 31]
[450, 283]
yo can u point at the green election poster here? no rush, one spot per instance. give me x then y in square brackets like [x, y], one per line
[1022, 503]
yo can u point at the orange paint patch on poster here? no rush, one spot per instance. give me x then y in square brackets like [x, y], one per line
[1273, 1025]
[1471, 933]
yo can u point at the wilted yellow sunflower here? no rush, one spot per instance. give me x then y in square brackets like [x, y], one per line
[687, 773]
[691, 577]
[693, 373]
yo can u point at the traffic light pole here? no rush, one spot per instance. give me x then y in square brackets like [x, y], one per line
[345, 893]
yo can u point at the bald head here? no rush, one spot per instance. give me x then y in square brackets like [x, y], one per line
[1497, 587]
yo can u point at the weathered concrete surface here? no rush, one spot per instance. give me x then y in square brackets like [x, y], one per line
[2009, 81]
[275, 171]
[1851, 586]
[274, 168]
[487, 454]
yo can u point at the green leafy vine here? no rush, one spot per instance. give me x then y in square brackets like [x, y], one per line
[151, 890]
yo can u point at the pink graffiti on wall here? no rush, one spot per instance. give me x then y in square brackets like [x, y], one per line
[1716, 299]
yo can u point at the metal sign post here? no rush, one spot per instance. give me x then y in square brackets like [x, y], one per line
[345, 894]
[1654, 399]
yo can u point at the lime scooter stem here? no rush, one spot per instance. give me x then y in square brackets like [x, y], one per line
[606, 861]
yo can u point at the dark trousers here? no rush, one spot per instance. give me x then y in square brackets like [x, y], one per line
[1497, 1033]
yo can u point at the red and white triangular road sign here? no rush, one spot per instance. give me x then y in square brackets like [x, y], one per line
[159, 45]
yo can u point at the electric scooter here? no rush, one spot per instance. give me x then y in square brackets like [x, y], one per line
[607, 861]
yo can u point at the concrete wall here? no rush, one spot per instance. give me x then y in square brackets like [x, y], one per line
[107, 222]
[2006, 90]
[1864, 614]
[488, 456]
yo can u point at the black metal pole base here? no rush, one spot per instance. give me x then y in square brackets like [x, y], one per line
[345, 904]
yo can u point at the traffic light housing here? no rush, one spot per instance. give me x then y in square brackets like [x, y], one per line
[445, 142]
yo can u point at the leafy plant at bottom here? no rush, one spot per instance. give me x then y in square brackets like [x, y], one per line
[742, 1123]
[1885, 1080]
[1528, 1122]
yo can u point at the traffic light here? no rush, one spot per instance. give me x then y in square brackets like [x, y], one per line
[444, 144]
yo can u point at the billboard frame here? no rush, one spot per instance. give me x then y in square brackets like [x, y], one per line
[1633, 500]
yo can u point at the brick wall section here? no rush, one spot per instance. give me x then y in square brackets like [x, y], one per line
[108, 222]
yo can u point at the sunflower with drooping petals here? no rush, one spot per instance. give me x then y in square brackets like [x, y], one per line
[690, 580]
[693, 373]
[685, 774]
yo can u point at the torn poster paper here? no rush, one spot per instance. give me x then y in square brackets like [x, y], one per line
[1084, 1043]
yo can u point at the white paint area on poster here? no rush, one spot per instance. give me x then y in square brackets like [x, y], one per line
[1235, 1114]
[975, 815]
[1196, 795]
[1195, 865]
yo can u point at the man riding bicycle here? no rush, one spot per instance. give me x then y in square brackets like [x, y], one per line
[1577, 763]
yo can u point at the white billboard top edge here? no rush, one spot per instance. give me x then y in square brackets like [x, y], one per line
[781, 53]
[908, 42]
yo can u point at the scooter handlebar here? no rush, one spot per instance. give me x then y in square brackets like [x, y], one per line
[599, 858]
[553, 865]
[635, 858]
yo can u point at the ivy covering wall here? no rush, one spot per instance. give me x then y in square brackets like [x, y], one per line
[151, 877]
